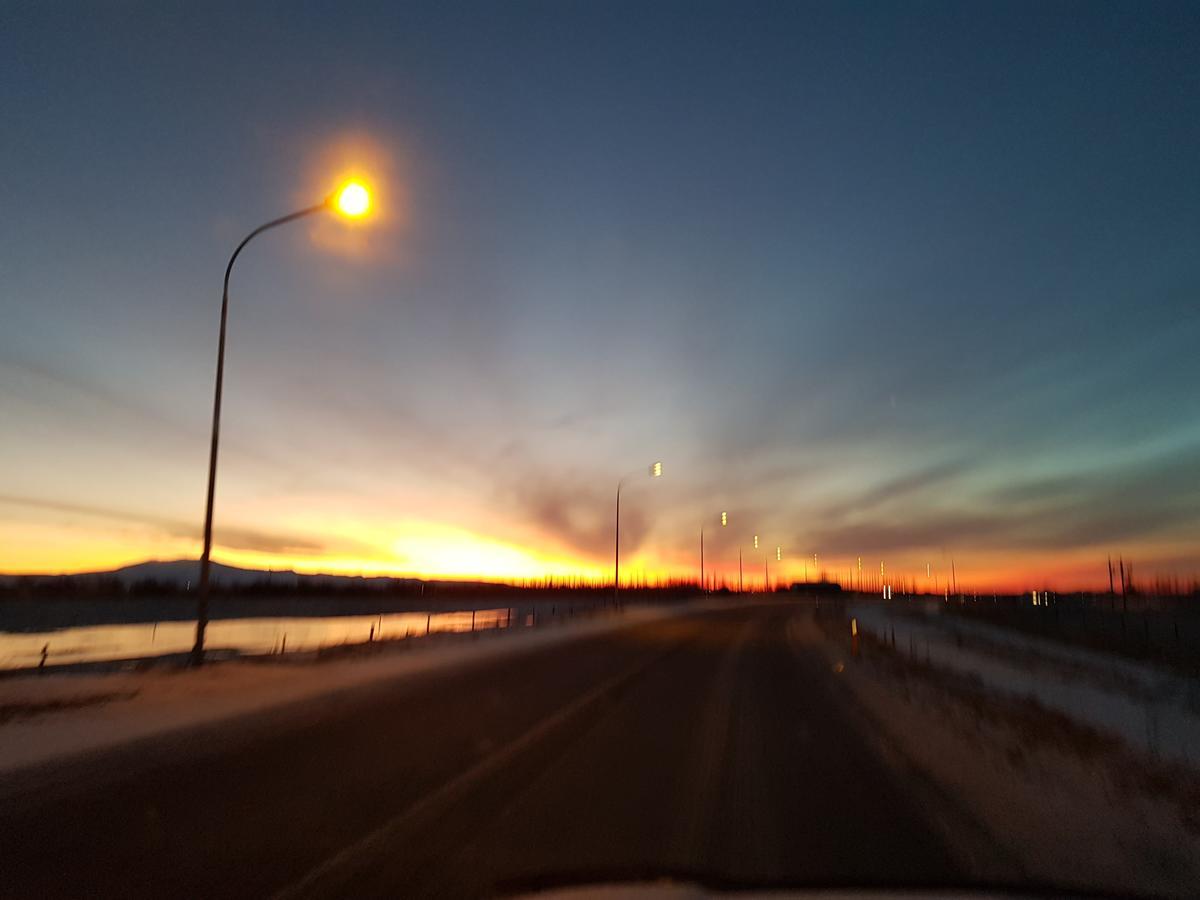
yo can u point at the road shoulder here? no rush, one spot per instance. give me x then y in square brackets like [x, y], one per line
[60, 720]
[1018, 785]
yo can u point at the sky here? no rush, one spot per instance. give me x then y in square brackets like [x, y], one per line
[915, 283]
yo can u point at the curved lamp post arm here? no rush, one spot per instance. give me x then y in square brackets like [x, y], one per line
[655, 471]
[202, 590]
[282, 220]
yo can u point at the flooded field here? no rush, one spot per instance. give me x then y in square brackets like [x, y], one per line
[250, 636]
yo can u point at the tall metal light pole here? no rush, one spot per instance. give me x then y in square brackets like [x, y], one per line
[352, 200]
[655, 472]
[724, 522]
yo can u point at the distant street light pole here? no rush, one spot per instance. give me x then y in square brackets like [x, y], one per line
[351, 200]
[724, 522]
[655, 472]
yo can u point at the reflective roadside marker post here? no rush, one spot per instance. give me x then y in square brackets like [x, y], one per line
[854, 637]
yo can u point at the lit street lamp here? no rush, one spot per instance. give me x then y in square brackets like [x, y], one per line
[352, 200]
[740, 563]
[766, 568]
[724, 522]
[655, 472]
[740, 583]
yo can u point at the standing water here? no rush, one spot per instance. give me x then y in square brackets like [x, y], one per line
[106, 643]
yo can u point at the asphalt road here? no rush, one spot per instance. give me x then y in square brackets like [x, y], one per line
[713, 746]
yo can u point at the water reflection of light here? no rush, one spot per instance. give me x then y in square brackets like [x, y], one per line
[101, 643]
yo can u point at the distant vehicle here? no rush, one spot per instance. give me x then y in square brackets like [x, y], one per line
[815, 588]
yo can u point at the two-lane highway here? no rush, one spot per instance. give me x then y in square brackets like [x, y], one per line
[709, 746]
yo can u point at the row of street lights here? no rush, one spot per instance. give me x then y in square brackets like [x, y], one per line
[655, 471]
[352, 200]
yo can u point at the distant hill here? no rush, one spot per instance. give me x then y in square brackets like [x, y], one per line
[181, 572]
[185, 573]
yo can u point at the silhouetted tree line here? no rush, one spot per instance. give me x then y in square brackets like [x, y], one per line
[66, 587]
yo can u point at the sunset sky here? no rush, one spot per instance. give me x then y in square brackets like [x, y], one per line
[910, 282]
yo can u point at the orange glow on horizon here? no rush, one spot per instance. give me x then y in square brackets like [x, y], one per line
[434, 550]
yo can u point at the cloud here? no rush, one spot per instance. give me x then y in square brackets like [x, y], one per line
[68, 397]
[908, 534]
[910, 484]
[233, 538]
[39, 377]
[575, 509]
[578, 516]
[1111, 506]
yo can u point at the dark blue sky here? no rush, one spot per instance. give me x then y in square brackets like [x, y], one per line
[894, 280]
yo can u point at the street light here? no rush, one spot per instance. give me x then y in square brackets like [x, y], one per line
[724, 522]
[656, 469]
[353, 200]
[767, 570]
[740, 562]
